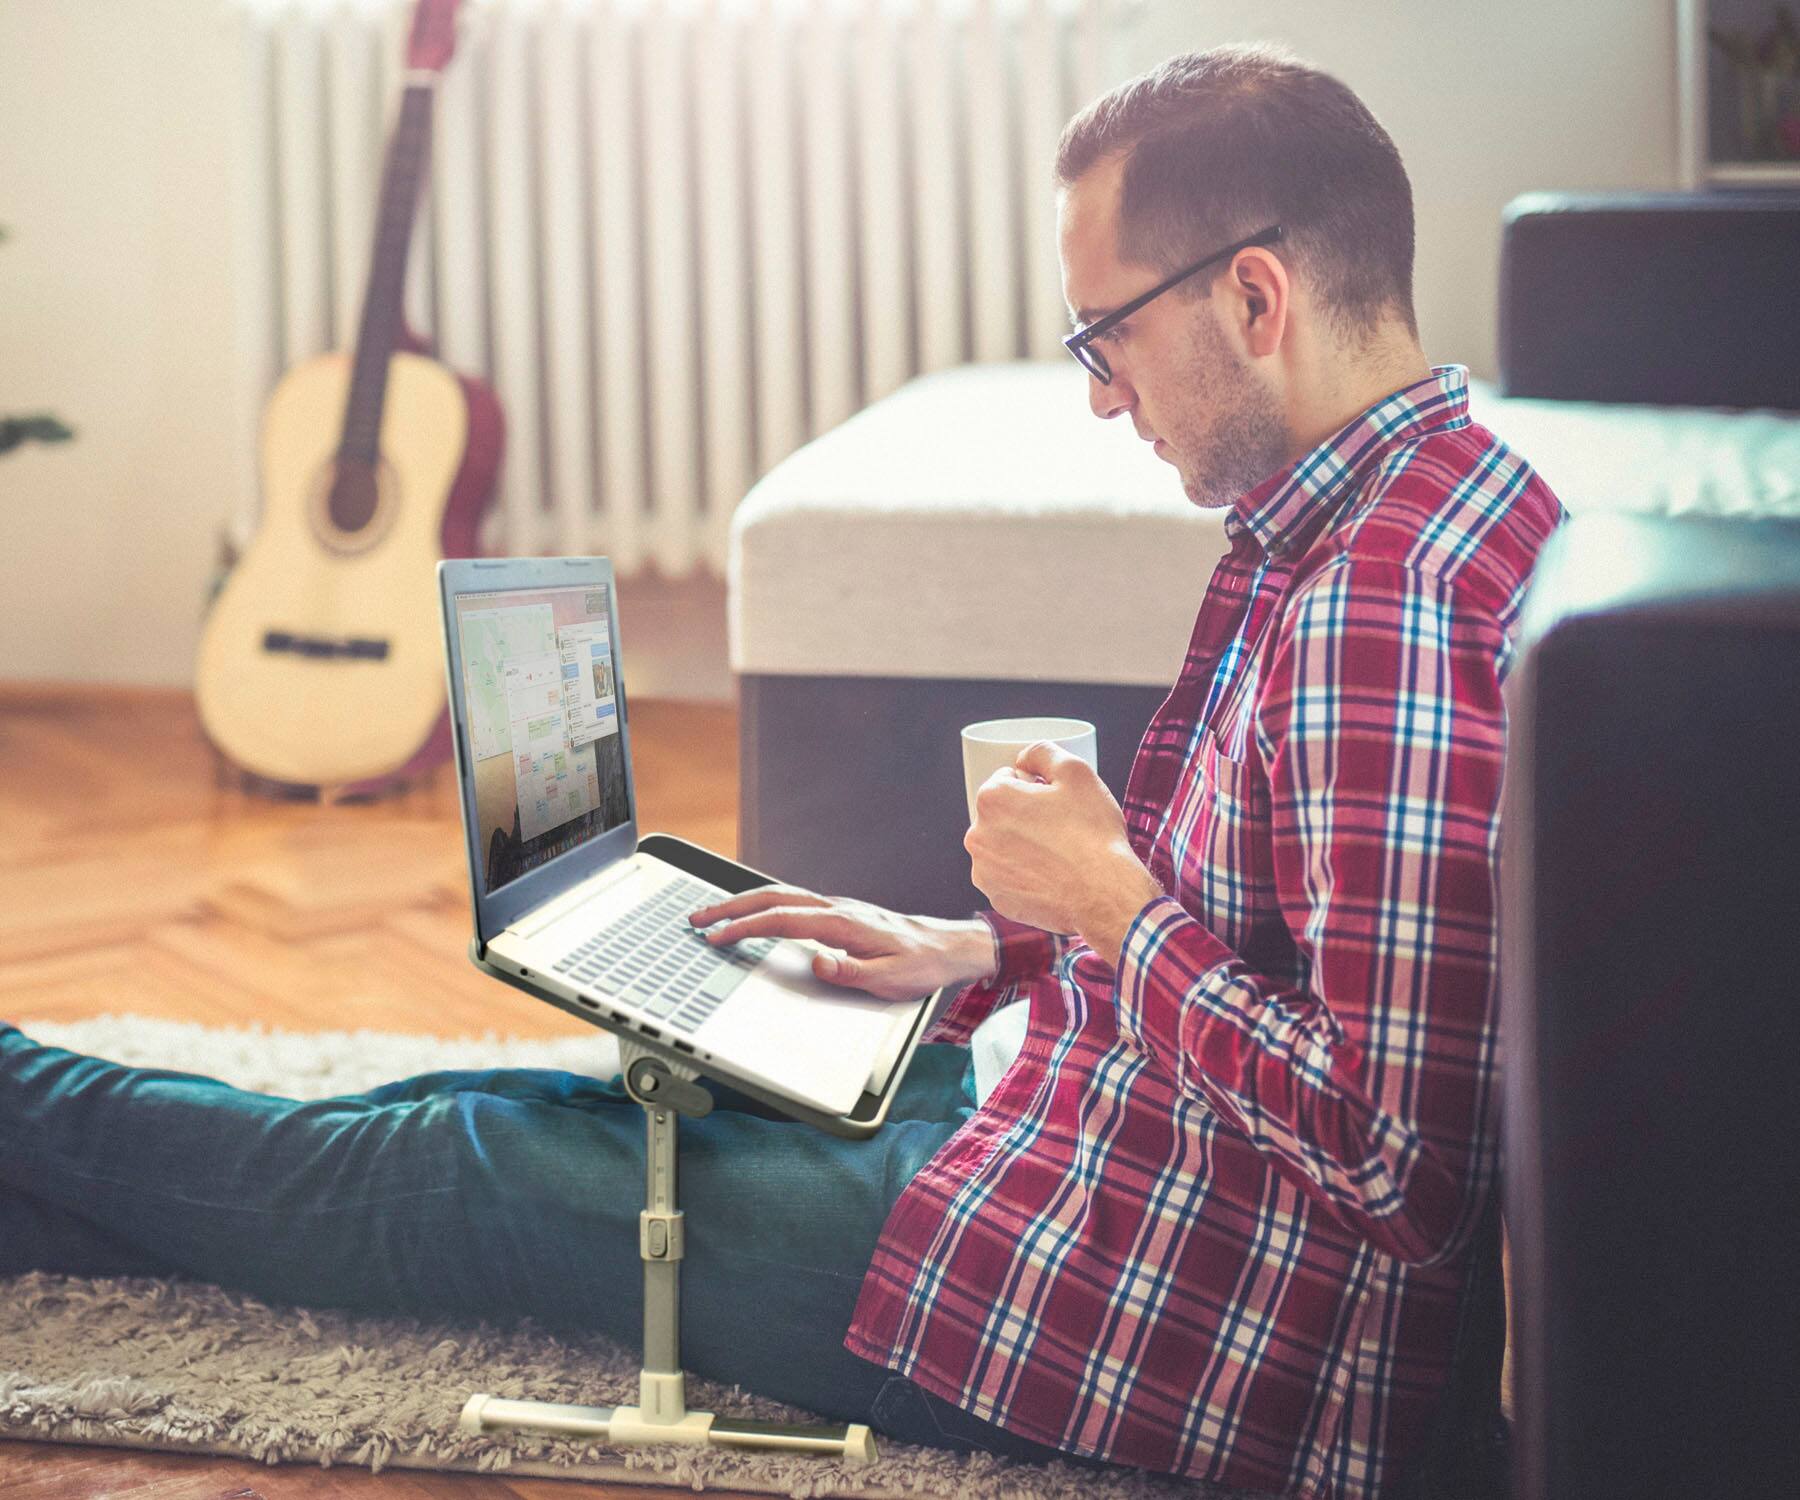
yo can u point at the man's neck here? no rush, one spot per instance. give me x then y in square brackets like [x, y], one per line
[1349, 385]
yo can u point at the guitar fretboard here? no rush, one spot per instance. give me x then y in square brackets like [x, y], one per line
[408, 156]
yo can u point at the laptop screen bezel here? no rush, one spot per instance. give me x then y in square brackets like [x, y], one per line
[497, 910]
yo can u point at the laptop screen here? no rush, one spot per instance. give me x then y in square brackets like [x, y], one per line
[540, 690]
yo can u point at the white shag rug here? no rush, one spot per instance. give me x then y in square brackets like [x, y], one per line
[183, 1365]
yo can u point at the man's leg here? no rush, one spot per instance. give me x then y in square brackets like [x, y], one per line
[484, 1194]
[34, 1233]
[439, 1203]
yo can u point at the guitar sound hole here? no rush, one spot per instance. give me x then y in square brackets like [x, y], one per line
[355, 491]
[353, 503]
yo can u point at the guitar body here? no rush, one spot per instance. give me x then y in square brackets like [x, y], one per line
[321, 661]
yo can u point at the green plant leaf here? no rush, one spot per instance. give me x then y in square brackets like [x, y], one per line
[42, 428]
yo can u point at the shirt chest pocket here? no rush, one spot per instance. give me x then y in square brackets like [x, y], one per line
[1233, 721]
[1225, 783]
[1216, 851]
[1209, 856]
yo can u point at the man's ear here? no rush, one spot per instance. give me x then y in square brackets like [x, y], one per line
[1259, 297]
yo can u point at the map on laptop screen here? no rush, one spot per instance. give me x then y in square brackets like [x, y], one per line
[541, 691]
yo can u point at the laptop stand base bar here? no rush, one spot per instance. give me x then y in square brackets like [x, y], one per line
[664, 1089]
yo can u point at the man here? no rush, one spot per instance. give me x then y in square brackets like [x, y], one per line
[1214, 1220]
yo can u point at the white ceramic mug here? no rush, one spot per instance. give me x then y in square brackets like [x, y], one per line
[994, 743]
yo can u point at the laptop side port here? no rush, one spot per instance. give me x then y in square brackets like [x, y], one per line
[681, 1046]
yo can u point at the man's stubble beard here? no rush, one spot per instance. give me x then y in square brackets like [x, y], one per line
[1246, 436]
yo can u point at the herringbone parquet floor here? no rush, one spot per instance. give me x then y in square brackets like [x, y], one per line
[135, 880]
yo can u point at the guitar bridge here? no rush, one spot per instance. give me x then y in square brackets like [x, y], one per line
[356, 648]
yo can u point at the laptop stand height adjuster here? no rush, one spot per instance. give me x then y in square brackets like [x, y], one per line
[663, 1088]
[659, 1236]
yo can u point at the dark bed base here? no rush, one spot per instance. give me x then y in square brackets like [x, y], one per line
[853, 785]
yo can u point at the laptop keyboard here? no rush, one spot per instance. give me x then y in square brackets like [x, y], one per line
[656, 960]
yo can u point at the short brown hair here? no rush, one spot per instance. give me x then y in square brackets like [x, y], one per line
[1222, 143]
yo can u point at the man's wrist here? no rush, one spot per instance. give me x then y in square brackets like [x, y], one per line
[982, 951]
[1115, 905]
[970, 949]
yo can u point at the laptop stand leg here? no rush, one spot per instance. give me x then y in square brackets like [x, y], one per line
[664, 1089]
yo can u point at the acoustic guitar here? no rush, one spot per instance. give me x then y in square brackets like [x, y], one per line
[321, 660]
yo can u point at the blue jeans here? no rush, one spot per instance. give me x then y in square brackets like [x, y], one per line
[485, 1195]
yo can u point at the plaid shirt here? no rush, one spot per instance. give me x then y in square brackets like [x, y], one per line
[1214, 1220]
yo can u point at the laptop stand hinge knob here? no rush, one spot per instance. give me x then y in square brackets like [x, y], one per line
[650, 1080]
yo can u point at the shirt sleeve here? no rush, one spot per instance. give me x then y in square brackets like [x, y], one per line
[1381, 727]
[1024, 952]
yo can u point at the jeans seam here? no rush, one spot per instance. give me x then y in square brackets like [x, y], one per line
[214, 1205]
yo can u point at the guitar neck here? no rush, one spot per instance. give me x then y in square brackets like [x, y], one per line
[409, 155]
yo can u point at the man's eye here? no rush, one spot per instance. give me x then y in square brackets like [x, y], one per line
[1115, 333]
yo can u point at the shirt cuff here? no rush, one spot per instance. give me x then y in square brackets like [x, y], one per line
[1024, 952]
[1165, 952]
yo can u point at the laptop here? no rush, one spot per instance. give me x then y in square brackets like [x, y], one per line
[571, 907]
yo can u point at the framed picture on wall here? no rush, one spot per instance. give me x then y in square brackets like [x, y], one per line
[1739, 62]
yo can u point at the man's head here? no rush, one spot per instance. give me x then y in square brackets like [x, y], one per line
[1235, 368]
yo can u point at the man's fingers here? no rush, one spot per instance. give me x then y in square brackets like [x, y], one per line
[1008, 776]
[823, 925]
[872, 978]
[839, 968]
[760, 899]
[1042, 758]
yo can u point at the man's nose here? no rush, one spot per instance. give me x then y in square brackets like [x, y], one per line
[1108, 399]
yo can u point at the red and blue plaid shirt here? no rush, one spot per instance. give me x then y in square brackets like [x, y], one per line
[1214, 1220]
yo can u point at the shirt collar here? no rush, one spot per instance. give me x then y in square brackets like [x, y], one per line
[1282, 511]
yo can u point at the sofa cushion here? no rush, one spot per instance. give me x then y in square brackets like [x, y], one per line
[1664, 460]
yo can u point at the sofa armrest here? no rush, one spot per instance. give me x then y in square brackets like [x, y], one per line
[1670, 298]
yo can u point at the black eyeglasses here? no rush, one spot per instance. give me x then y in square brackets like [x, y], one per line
[1080, 343]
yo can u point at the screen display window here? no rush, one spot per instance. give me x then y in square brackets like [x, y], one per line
[540, 694]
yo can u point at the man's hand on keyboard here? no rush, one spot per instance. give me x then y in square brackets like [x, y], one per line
[881, 952]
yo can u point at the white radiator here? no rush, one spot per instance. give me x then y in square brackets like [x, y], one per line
[678, 239]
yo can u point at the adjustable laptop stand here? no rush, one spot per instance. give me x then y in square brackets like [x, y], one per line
[665, 1089]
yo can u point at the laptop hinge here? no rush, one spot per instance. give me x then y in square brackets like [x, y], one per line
[558, 907]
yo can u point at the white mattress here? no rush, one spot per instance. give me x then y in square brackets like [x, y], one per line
[982, 523]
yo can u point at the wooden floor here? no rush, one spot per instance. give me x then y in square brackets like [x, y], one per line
[136, 881]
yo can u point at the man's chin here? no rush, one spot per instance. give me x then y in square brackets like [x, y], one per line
[1206, 497]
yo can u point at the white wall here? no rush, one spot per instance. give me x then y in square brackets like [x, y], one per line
[1485, 99]
[116, 288]
[116, 314]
